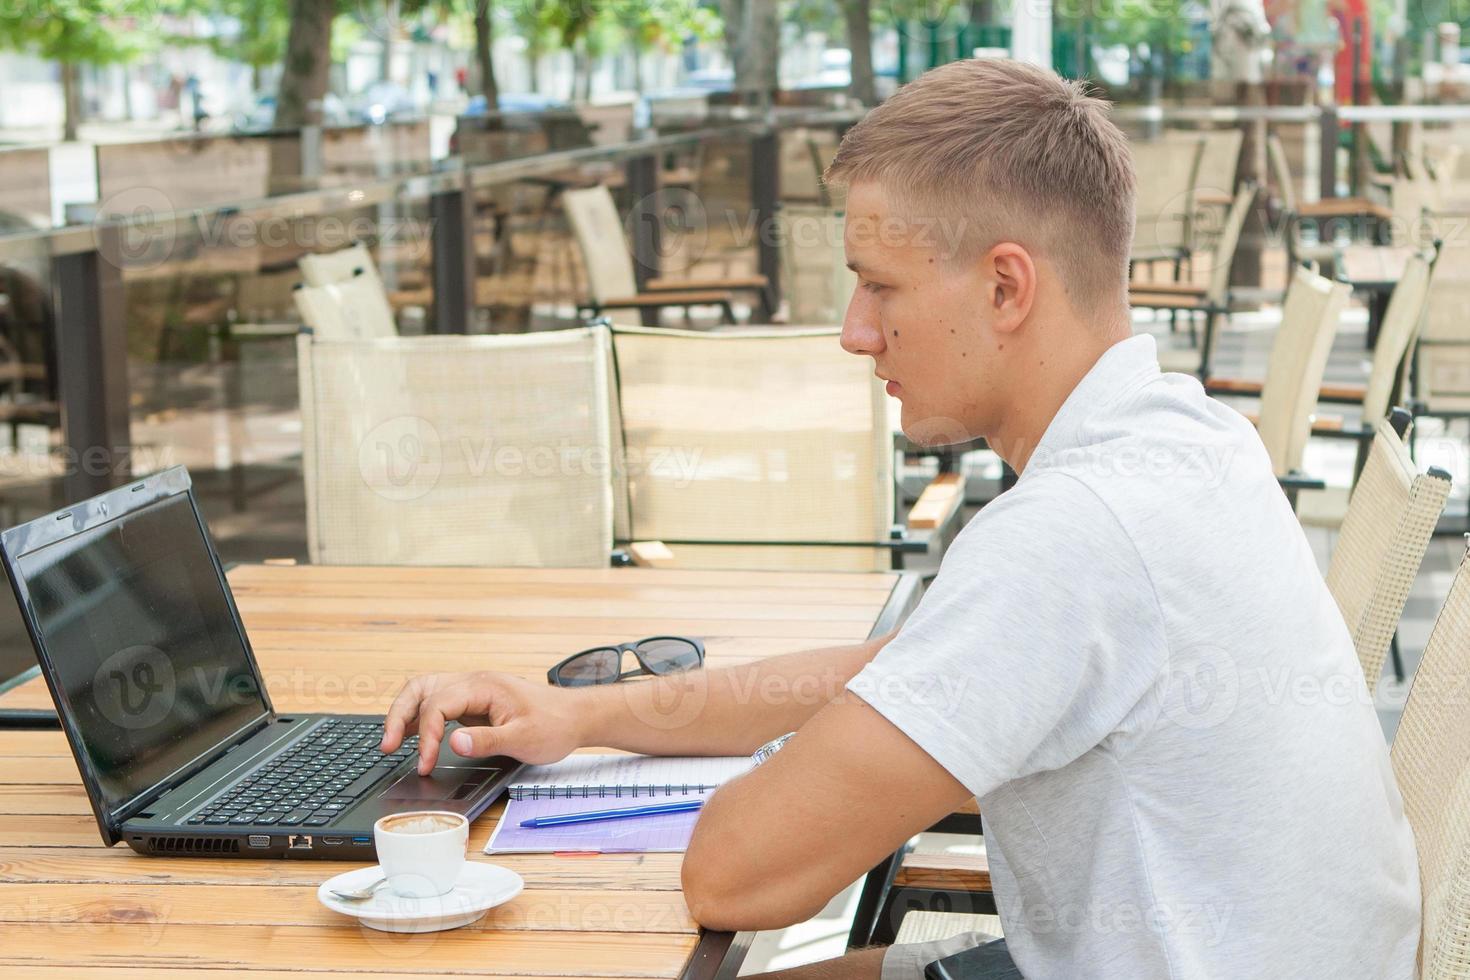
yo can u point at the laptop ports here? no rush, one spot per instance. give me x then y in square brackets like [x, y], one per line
[300, 842]
[333, 841]
[260, 840]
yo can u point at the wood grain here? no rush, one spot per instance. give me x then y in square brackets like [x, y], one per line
[344, 640]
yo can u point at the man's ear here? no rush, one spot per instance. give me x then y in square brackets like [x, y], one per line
[1011, 281]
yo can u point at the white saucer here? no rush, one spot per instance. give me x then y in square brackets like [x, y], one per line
[481, 887]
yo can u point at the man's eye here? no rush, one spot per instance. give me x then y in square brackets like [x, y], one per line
[873, 287]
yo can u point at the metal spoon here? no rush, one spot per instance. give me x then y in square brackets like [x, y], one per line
[359, 894]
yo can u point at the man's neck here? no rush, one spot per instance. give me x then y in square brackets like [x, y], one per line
[1025, 421]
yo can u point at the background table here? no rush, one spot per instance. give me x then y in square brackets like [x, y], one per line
[343, 640]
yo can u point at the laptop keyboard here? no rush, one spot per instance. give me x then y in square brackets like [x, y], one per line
[311, 782]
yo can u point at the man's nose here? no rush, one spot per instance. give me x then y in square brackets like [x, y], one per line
[861, 331]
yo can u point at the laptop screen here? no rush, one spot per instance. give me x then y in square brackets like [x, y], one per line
[143, 644]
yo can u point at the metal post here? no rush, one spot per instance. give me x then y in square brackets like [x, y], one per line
[453, 220]
[765, 193]
[642, 173]
[1328, 148]
[92, 370]
[1358, 161]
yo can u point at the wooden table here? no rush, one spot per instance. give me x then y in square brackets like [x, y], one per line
[343, 640]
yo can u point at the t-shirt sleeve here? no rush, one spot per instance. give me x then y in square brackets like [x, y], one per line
[1040, 637]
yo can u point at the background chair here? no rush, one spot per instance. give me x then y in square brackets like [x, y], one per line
[350, 309]
[1214, 187]
[611, 283]
[760, 449]
[483, 450]
[816, 279]
[1360, 216]
[1164, 203]
[1211, 300]
[1431, 761]
[1385, 532]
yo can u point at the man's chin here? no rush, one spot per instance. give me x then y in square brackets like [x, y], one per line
[932, 431]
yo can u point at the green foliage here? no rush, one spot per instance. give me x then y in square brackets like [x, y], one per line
[78, 31]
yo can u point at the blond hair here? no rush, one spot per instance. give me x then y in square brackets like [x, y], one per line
[1015, 153]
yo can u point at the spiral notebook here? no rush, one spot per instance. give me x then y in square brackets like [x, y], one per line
[617, 776]
[586, 782]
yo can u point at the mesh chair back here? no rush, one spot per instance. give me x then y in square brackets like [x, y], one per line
[456, 450]
[353, 309]
[1396, 334]
[604, 249]
[751, 436]
[1164, 171]
[1281, 172]
[1443, 353]
[1390, 518]
[1431, 760]
[1309, 319]
[815, 276]
[1218, 290]
[1219, 159]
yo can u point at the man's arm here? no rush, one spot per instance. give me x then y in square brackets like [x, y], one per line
[726, 711]
[773, 846]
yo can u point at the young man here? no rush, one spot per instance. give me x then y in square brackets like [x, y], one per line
[1130, 658]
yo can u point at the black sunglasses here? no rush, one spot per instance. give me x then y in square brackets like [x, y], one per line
[604, 665]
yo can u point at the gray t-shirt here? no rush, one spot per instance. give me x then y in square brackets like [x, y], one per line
[1133, 662]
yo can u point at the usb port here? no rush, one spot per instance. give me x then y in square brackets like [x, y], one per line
[362, 840]
[260, 840]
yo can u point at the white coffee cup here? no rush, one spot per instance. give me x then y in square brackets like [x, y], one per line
[421, 852]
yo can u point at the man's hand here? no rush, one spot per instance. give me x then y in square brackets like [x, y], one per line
[502, 715]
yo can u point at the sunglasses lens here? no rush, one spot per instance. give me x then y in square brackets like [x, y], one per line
[592, 667]
[668, 655]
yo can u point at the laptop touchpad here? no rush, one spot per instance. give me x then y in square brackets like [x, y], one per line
[441, 784]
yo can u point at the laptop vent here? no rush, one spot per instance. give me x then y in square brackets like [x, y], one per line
[193, 845]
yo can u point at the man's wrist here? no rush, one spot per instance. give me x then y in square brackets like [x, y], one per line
[592, 709]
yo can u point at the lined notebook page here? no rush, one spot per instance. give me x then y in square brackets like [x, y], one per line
[647, 834]
[617, 776]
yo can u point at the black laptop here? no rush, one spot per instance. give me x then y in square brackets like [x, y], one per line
[139, 639]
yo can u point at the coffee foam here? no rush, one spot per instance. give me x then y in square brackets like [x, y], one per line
[426, 823]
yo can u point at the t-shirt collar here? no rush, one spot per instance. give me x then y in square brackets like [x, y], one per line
[1121, 369]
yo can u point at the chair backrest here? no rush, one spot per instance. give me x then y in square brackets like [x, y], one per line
[751, 436]
[1396, 334]
[1164, 172]
[1442, 381]
[1390, 518]
[1415, 203]
[1431, 762]
[1281, 172]
[325, 268]
[815, 277]
[458, 450]
[1298, 358]
[800, 178]
[1218, 289]
[600, 239]
[1219, 159]
[352, 309]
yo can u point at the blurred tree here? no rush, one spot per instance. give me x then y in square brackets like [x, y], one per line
[484, 48]
[753, 35]
[532, 22]
[305, 69]
[259, 37]
[572, 21]
[73, 33]
[863, 85]
[663, 24]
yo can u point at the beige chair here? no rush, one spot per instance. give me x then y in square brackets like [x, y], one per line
[1431, 761]
[1309, 318]
[1164, 201]
[1212, 300]
[353, 309]
[325, 268]
[1387, 527]
[757, 449]
[455, 450]
[815, 277]
[1361, 217]
[611, 283]
[1214, 187]
[1442, 375]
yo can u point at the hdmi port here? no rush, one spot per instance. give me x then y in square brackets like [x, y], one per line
[333, 841]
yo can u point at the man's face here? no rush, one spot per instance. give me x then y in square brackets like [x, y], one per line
[921, 317]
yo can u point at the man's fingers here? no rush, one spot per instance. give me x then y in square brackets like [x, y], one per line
[478, 742]
[431, 732]
[401, 714]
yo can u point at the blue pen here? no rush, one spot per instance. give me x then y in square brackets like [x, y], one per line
[681, 806]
